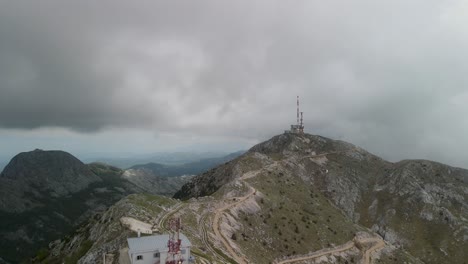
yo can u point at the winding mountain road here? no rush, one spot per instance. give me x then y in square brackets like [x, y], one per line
[205, 238]
[319, 254]
[216, 227]
[347, 246]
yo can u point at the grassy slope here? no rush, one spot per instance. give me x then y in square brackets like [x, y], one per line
[294, 219]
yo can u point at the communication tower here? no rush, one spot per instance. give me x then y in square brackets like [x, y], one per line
[298, 128]
[174, 255]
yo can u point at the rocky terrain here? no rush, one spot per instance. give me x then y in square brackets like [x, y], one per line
[152, 183]
[105, 233]
[416, 206]
[306, 199]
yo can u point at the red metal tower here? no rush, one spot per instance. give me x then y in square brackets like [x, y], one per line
[173, 255]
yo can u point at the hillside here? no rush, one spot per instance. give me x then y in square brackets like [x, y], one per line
[418, 206]
[104, 232]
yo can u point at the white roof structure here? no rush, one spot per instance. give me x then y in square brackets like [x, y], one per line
[153, 243]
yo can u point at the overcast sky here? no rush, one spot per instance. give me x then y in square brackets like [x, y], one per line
[148, 76]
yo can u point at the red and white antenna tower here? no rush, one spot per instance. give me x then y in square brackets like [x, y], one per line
[173, 255]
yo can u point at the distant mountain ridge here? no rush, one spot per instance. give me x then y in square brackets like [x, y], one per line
[164, 158]
[157, 178]
[191, 168]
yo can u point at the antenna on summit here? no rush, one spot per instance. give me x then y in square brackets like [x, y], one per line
[298, 128]
[302, 124]
[298, 110]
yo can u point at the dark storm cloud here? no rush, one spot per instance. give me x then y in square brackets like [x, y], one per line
[389, 76]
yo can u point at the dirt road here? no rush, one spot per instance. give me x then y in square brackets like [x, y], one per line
[205, 238]
[163, 219]
[216, 228]
[341, 248]
[347, 246]
[379, 244]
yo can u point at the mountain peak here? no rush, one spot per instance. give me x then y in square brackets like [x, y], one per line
[279, 147]
[40, 173]
[400, 201]
[46, 161]
[300, 143]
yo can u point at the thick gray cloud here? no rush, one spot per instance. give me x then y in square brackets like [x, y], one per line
[388, 76]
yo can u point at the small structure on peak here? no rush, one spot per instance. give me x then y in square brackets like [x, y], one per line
[173, 248]
[298, 128]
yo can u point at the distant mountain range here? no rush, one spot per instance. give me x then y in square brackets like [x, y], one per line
[162, 179]
[191, 168]
[125, 161]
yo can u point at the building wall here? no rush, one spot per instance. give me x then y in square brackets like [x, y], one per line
[148, 257]
[186, 256]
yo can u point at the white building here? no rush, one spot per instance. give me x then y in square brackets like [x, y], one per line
[298, 129]
[154, 249]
